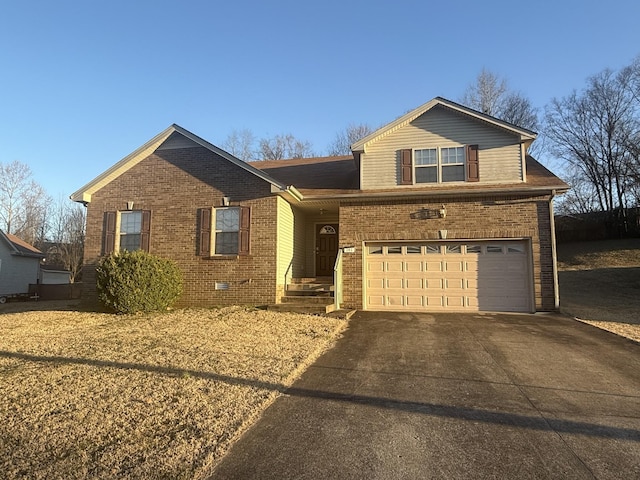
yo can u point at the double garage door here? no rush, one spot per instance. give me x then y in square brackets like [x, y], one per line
[454, 276]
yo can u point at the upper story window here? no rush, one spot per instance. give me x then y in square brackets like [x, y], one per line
[435, 165]
[439, 165]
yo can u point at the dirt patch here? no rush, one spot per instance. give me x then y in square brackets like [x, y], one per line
[88, 395]
[600, 284]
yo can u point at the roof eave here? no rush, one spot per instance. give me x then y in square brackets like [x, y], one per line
[524, 134]
[443, 193]
[83, 195]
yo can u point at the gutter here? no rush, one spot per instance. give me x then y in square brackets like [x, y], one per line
[289, 191]
[435, 194]
[554, 256]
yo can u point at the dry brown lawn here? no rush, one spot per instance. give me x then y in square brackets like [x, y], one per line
[93, 395]
[600, 284]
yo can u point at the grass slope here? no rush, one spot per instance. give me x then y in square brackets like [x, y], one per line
[600, 283]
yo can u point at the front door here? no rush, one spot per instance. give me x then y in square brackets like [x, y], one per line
[326, 249]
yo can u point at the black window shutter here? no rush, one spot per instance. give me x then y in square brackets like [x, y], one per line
[406, 167]
[204, 232]
[108, 233]
[243, 237]
[473, 169]
[145, 230]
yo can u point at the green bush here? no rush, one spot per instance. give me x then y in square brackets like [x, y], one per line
[131, 282]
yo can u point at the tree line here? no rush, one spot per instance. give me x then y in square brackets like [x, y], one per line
[244, 145]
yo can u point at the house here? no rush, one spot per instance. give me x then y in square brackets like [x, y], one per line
[440, 210]
[51, 276]
[19, 265]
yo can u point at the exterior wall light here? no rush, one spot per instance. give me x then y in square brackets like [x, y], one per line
[442, 212]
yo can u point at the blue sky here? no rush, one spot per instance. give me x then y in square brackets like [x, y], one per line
[85, 83]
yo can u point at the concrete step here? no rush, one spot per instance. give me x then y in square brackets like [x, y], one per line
[310, 289]
[308, 300]
[302, 280]
[298, 308]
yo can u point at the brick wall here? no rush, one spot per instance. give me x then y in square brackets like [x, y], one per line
[467, 218]
[174, 184]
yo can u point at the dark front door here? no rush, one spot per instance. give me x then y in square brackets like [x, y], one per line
[326, 248]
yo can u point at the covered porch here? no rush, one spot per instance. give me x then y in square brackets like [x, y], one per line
[308, 252]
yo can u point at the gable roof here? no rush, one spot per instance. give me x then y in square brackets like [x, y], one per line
[83, 195]
[524, 134]
[20, 247]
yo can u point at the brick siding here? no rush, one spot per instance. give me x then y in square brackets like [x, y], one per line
[173, 185]
[467, 218]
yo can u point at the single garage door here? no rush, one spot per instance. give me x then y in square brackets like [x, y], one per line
[454, 276]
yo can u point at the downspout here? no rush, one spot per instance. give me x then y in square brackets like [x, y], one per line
[554, 257]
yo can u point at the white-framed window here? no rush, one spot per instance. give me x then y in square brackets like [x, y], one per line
[126, 230]
[226, 231]
[439, 165]
[223, 231]
[130, 231]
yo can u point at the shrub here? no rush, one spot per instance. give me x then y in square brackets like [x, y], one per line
[131, 282]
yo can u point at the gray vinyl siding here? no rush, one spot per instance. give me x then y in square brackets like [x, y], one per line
[499, 152]
[176, 141]
[16, 273]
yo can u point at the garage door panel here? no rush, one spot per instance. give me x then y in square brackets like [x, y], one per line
[394, 266]
[455, 301]
[375, 266]
[395, 300]
[454, 283]
[414, 283]
[375, 300]
[414, 266]
[415, 301]
[433, 266]
[433, 301]
[394, 283]
[440, 276]
[454, 266]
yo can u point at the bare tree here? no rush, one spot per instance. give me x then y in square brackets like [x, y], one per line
[486, 94]
[581, 198]
[23, 203]
[284, 146]
[592, 131]
[241, 144]
[67, 231]
[341, 145]
[491, 95]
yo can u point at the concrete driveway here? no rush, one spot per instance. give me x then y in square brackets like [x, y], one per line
[414, 396]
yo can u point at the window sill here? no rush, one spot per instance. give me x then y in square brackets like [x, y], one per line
[222, 257]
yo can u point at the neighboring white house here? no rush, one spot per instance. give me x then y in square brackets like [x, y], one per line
[19, 264]
[54, 277]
